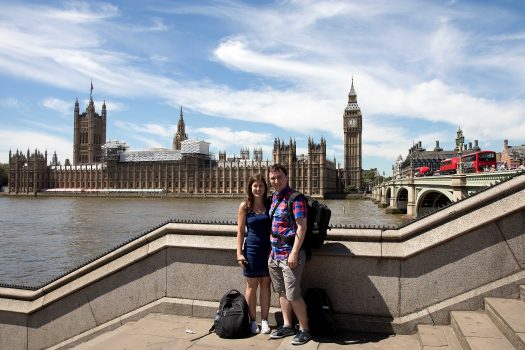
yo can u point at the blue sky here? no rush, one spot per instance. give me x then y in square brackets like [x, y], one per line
[247, 72]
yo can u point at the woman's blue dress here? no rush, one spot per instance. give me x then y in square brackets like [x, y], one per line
[257, 244]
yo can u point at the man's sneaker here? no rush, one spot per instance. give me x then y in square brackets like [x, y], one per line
[302, 337]
[282, 332]
[265, 327]
[254, 328]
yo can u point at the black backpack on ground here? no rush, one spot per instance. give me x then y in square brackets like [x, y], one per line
[320, 315]
[232, 319]
[318, 220]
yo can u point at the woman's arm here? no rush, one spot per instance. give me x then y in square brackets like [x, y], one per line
[241, 229]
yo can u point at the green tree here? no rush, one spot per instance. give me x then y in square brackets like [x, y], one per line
[4, 174]
[369, 178]
[350, 189]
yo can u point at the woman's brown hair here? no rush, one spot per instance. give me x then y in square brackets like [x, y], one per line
[249, 198]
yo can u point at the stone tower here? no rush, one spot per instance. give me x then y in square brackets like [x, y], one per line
[180, 135]
[353, 129]
[28, 173]
[89, 134]
[258, 154]
[286, 155]
[317, 166]
[245, 153]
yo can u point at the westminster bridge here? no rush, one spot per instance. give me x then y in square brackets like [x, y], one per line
[418, 196]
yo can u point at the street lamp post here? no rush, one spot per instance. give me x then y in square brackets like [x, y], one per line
[459, 142]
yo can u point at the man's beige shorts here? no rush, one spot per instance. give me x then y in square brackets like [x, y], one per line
[285, 279]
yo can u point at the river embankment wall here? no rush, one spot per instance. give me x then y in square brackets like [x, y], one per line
[378, 279]
[145, 194]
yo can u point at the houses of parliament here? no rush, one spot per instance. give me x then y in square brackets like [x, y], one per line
[187, 169]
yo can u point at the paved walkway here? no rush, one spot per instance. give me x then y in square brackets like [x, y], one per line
[160, 331]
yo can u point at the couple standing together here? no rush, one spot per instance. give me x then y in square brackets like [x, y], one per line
[275, 258]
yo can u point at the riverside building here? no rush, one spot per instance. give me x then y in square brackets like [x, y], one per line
[187, 169]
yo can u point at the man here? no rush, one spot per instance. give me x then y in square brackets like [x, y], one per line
[287, 259]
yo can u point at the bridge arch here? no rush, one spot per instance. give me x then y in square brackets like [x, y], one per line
[388, 195]
[430, 200]
[402, 199]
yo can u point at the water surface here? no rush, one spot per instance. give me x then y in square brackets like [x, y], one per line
[43, 237]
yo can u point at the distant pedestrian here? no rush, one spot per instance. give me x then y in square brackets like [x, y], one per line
[254, 222]
[287, 259]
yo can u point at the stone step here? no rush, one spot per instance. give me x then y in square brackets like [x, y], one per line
[522, 293]
[476, 331]
[509, 317]
[437, 338]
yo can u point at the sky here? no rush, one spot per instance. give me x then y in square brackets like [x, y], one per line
[247, 72]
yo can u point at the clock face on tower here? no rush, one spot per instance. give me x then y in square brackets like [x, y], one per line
[352, 122]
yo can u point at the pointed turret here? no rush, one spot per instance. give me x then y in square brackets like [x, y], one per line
[352, 90]
[352, 96]
[180, 135]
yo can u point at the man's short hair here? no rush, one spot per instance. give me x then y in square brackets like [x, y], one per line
[278, 167]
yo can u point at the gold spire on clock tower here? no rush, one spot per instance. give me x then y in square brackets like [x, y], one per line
[353, 128]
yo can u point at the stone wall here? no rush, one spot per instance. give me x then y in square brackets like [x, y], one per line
[383, 280]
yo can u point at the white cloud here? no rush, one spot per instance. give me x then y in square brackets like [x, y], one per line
[27, 139]
[9, 102]
[60, 106]
[157, 25]
[154, 129]
[146, 141]
[226, 138]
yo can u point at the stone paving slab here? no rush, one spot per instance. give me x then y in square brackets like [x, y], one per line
[478, 332]
[509, 316]
[170, 332]
[433, 337]
[512, 312]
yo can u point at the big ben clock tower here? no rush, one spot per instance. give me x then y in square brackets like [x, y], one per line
[353, 129]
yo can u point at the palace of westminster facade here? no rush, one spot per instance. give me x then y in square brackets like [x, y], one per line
[187, 168]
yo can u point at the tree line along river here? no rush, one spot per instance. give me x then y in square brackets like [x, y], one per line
[43, 237]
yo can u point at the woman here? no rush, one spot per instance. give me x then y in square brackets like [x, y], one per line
[253, 219]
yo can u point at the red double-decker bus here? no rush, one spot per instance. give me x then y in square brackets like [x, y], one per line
[448, 166]
[476, 162]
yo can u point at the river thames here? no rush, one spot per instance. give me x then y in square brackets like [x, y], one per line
[44, 237]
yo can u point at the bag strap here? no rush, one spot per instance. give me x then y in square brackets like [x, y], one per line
[289, 204]
[275, 208]
[212, 329]
[291, 199]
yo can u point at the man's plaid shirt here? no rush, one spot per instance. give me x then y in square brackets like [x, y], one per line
[283, 223]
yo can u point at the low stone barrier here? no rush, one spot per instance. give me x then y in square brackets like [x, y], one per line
[378, 279]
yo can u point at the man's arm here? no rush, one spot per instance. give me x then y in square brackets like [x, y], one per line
[300, 214]
[298, 242]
